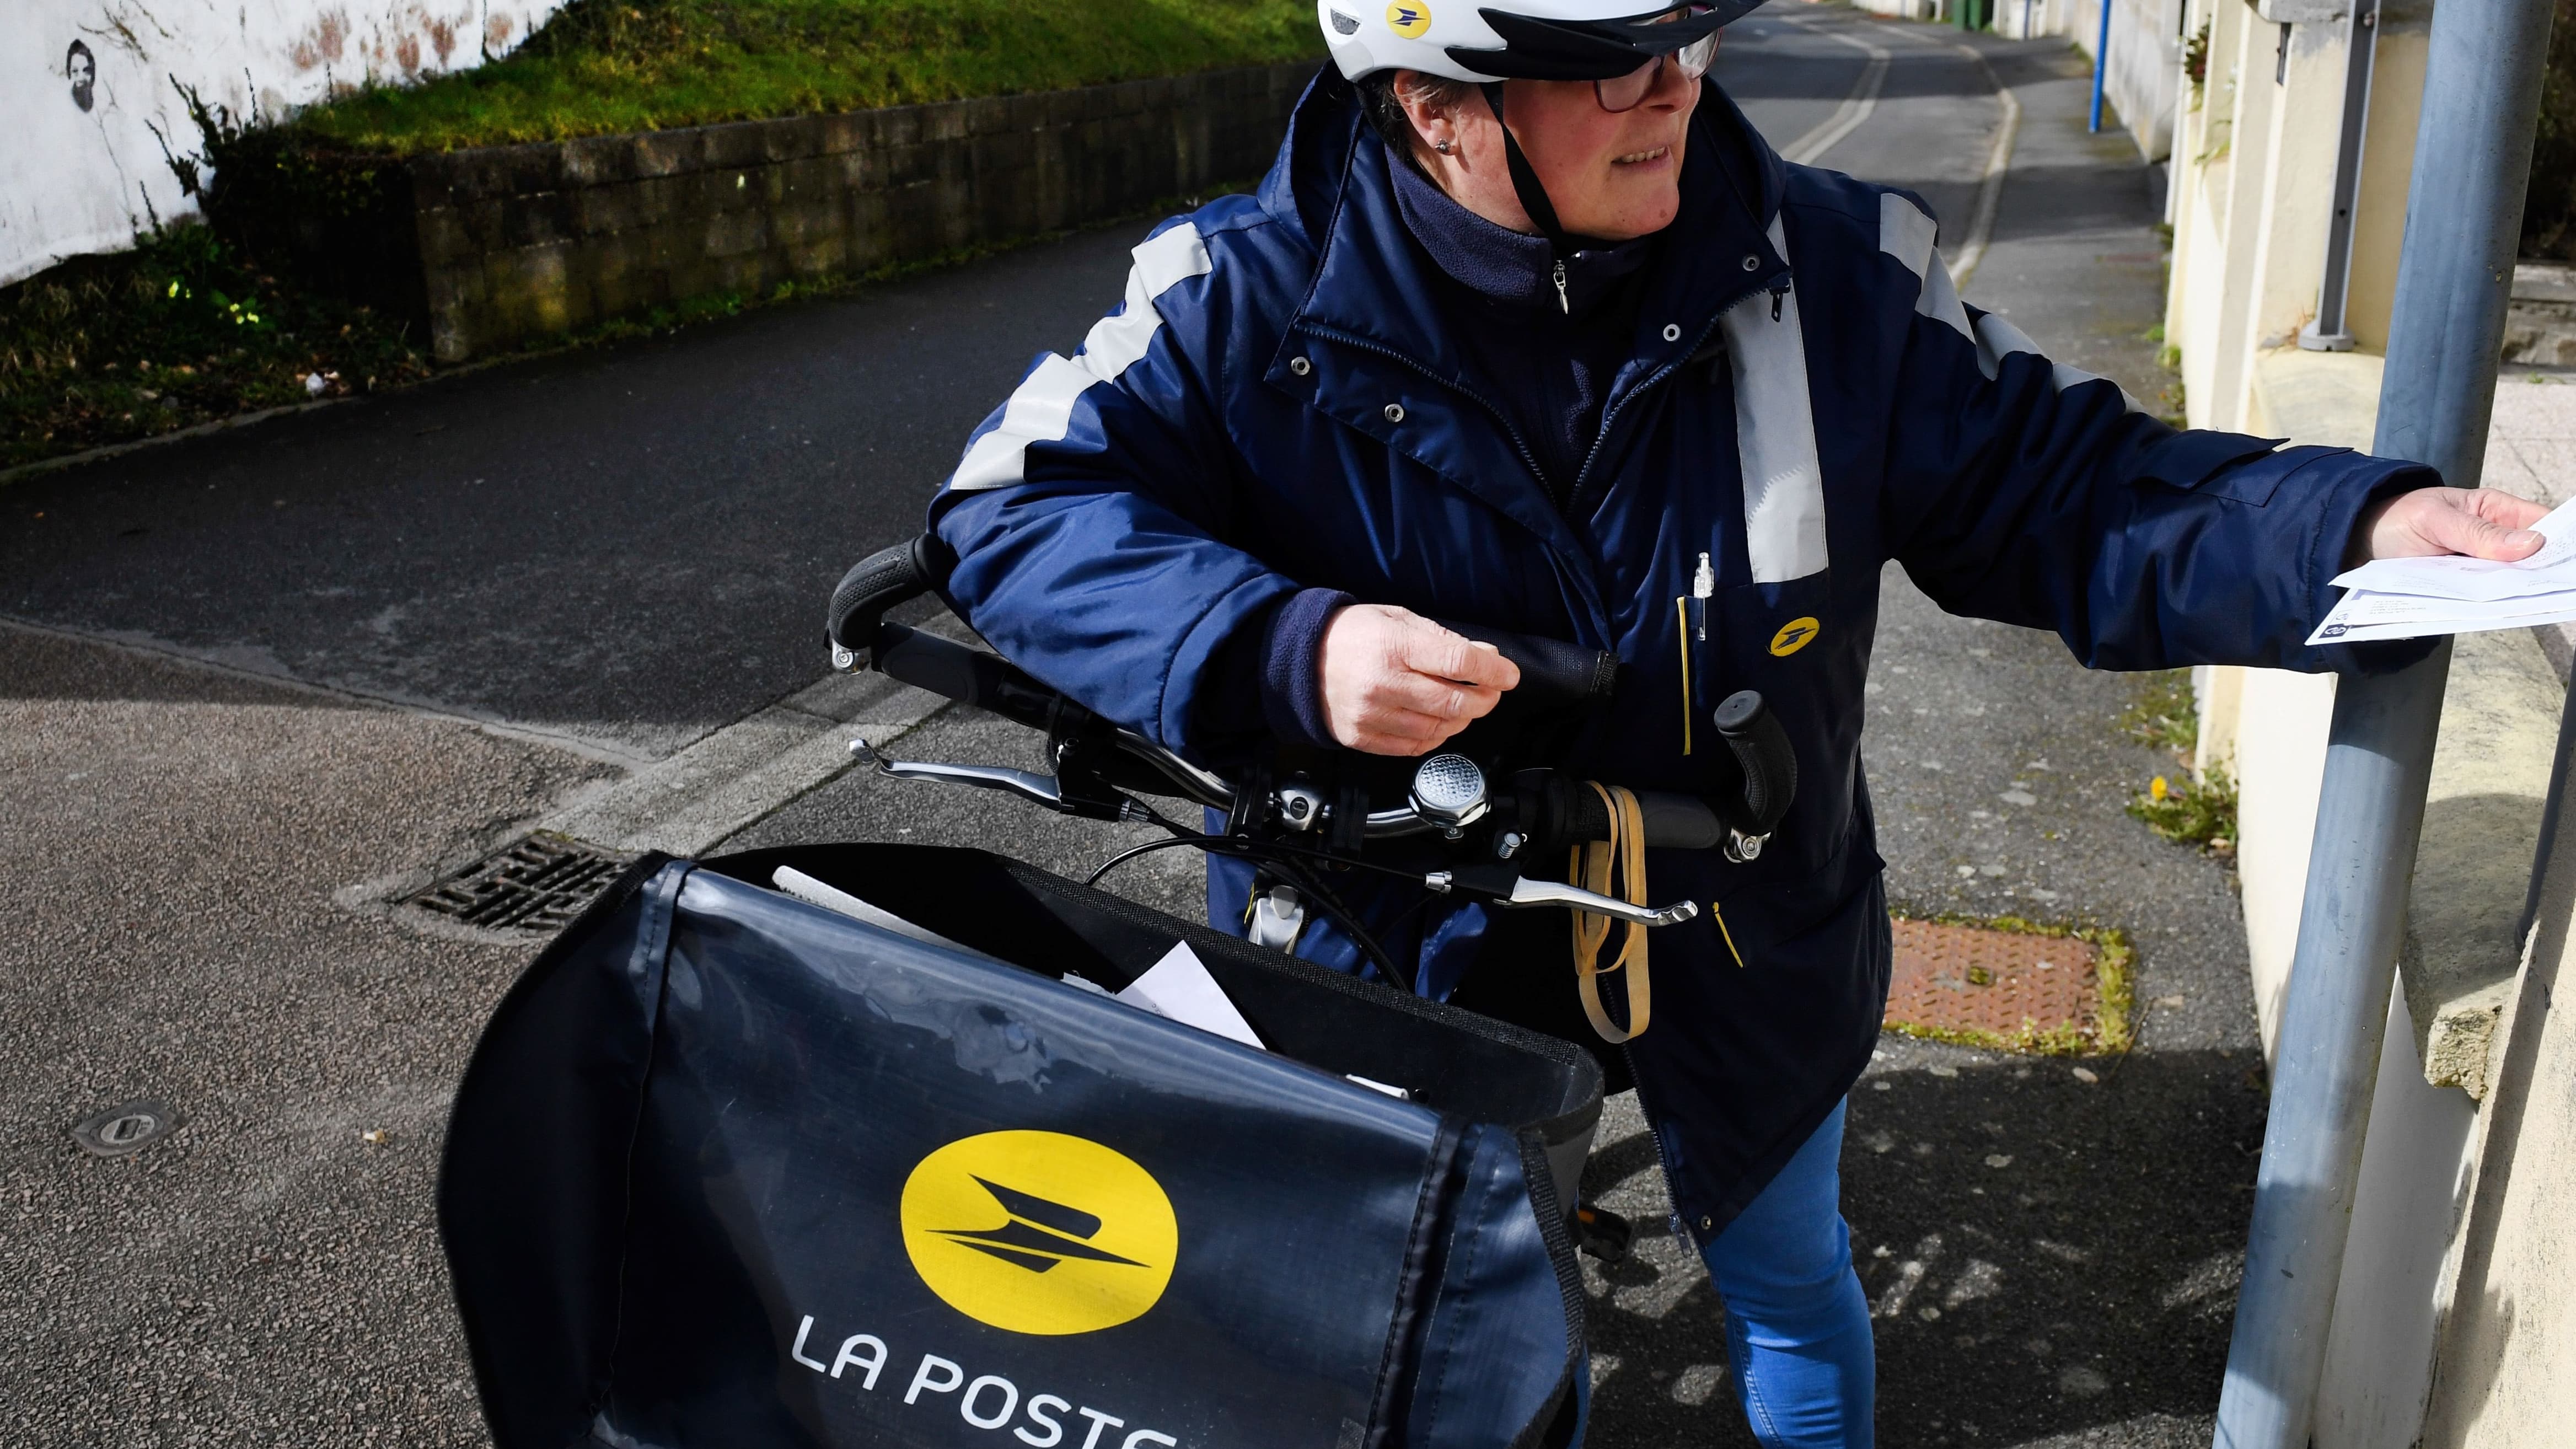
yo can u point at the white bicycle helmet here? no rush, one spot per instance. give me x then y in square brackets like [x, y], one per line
[1515, 39]
[1556, 40]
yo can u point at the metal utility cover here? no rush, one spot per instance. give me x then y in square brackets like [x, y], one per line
[536, 884]
[1992, 983]
[125, 1128]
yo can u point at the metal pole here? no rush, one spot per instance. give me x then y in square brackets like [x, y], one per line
[2101, 57]
[2329, 333]
[2446, 333]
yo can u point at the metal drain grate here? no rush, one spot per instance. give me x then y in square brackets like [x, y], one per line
[537, 884]
[1997, 984]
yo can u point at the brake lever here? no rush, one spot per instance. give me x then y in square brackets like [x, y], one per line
[1499, 885]
[1038, 789]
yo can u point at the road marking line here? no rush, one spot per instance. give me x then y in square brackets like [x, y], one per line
[1990, 187]
[1855, 108]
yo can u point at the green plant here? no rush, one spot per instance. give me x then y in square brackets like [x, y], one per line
[184, 329]
[2195, 56]
[2163, 712]
[2189, 814]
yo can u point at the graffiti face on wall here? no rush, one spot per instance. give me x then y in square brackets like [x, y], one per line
[82, 67]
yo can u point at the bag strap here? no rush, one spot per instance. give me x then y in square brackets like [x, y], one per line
[1591, 867]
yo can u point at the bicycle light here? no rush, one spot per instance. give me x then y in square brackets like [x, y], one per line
[1449, 792]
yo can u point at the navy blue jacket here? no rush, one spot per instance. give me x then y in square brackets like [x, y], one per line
[1279, 405]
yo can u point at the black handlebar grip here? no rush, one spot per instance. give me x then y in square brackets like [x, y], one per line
[967, 675]
[1679, 822]
[1553, 672]
[879, 582]
[1761, 747]
[1673, 821]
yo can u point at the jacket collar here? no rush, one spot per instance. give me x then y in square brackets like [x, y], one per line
[1369, 291]
[1332, 183]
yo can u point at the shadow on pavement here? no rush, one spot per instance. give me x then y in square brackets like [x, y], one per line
[2044, 1257]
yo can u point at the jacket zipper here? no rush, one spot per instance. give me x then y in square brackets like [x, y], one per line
[1778, 289]
[1674, 1222]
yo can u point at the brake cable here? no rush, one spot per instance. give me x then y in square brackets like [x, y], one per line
[1283, 857]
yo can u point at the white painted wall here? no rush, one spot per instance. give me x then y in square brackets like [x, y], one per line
[82, 168]
[2146, 61]
[2416, 1169]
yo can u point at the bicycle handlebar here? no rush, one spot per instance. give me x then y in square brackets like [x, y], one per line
[1553, 674]
[877, 583]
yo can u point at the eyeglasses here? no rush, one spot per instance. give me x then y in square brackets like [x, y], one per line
[1627, 92]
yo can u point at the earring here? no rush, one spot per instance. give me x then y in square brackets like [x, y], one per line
[1440, 146]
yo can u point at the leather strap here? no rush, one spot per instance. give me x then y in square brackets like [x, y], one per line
[1591, 867]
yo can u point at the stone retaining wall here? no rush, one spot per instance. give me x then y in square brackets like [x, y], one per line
[2540, 323]
[516, 242]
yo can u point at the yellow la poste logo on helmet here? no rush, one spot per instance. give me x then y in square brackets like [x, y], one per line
[1408, 18]
[1039, 1232]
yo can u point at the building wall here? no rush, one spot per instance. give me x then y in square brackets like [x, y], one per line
[2457, 1305]
[85, 166]
[2502, 1379]
[2144, 70]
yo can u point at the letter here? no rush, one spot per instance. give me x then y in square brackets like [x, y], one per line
[1010, 1402]
[921, 1378]
[797, 1352]
[847, 1358]
[1037, 1414]
[1099, 1421]
[1143, 1437]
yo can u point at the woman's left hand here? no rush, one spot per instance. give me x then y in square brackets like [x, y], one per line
[2479, 522]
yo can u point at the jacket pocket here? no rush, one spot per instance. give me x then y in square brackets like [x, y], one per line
[2206, 463]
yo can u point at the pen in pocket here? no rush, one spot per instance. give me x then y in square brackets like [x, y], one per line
[1693, 611]
[1682, 609]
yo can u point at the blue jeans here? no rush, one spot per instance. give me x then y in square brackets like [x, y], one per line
[1797, 1325]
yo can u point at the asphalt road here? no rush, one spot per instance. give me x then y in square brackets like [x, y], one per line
[605, 555]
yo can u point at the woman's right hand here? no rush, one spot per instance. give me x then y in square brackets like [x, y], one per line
[1396, 683]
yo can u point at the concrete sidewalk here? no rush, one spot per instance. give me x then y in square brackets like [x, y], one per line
[173, 841]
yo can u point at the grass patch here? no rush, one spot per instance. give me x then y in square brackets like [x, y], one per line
[606, 66]
[2115, 990]
[2188, 814]
[2164, 712]
[180, 331]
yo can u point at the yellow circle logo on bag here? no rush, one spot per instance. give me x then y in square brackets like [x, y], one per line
[1406, 20]
[1039, 1232]
[1793, 636]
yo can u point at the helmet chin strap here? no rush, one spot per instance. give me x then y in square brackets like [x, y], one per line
[1525, 184]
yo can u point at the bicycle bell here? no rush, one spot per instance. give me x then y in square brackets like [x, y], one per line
[1449, 792]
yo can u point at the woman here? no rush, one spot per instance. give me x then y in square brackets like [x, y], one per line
[1527, 326]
